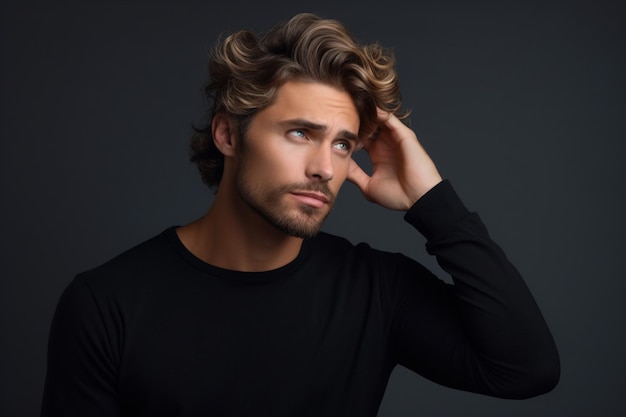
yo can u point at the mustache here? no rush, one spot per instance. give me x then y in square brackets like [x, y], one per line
[318, 187]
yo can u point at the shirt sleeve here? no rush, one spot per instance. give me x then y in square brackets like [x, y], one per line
[484, 332]
[81, 373]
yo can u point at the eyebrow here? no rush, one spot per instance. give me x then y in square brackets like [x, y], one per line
[307, 124]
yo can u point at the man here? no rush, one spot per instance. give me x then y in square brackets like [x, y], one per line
[250, 310]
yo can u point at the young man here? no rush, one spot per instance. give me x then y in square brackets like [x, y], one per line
[250, 310]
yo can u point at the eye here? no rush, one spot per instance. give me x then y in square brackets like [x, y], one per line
[299, 133]
[343, 146]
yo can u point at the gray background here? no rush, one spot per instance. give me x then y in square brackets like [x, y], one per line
[521, 105]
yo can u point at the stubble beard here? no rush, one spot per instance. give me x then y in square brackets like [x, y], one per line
[269, 204]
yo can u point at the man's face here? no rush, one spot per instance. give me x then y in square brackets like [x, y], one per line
[295, 156]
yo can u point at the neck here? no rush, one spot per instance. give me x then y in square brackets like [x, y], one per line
[233, 236]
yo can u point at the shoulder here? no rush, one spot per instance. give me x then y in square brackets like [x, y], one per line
[144, 261]
[344, 251]
[365, 269]
[328, 244]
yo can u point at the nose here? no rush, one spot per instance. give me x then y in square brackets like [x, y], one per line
[320, 164]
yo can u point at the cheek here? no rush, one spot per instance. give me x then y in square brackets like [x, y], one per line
[274, 166]
[342, 166]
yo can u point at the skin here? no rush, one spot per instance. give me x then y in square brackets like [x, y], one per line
[280, 183]
[402, 170]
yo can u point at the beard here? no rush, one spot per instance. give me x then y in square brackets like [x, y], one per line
[268, 203]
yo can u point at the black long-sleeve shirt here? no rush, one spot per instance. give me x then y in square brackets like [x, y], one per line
[158, 332]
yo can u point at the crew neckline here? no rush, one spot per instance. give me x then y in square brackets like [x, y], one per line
[256, 276]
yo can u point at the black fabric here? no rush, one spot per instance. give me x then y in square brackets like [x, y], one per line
[158, 332]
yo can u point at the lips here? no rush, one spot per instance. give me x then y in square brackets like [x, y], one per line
[311, 198]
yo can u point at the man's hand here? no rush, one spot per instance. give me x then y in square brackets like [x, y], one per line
[402, 170]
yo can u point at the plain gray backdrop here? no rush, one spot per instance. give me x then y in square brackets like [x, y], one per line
[520, 104]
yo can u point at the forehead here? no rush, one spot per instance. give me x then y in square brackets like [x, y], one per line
[315, 102]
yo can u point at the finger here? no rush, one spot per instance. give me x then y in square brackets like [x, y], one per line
[382, 115]
[391, 121]
[393, 130]
[357, 176]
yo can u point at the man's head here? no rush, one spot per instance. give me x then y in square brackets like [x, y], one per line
[247, 71]
[295, 156]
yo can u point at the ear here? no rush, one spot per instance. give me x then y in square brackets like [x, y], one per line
[224, 134]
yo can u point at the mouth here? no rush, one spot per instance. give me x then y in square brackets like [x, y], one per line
[311, 198]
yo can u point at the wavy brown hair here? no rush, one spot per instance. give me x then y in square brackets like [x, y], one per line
[246, 71]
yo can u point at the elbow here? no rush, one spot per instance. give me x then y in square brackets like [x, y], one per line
[543, 378]
[545, 372]
[539, 378]
[549, 375]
